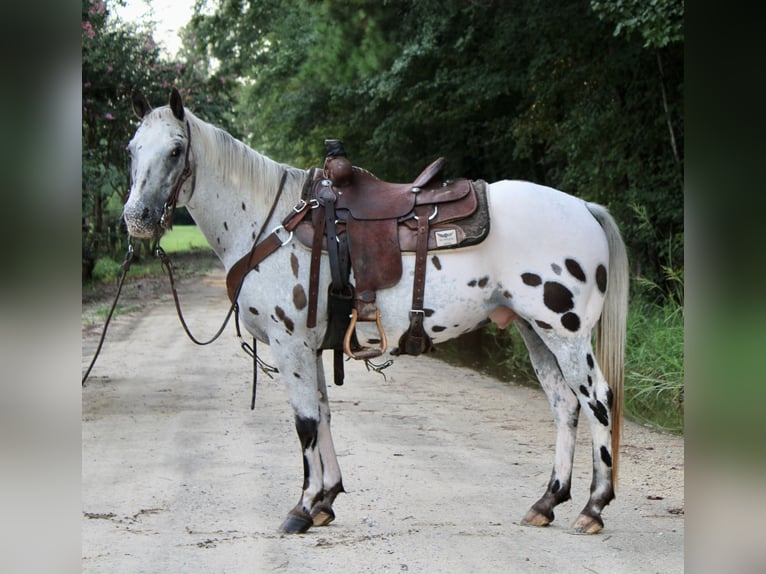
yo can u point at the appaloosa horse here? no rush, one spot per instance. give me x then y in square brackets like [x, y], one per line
[552, 264]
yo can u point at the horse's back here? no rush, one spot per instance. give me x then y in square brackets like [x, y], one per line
[544, 220]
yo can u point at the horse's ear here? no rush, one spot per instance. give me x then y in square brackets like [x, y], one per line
[141, 105]
[176, 104]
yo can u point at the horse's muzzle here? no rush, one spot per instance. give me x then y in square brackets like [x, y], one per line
[142, 222]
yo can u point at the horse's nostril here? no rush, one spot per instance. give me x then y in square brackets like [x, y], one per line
[145, 213]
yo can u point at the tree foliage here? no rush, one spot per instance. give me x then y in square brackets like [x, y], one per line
[586, 96]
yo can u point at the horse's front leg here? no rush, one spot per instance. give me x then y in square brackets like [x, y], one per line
[332, 482]
[303, 375]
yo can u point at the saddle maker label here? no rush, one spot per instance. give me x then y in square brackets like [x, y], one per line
[446, 238]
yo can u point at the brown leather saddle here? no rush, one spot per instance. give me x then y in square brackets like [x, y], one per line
[365, 224]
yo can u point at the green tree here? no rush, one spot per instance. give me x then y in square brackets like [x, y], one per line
[530, 90]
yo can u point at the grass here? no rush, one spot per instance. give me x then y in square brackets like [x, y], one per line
[654, 365]
[184, 238]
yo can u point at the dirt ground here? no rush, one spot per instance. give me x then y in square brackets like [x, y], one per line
[440, 464]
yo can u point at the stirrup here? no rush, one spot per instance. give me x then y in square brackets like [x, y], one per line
[365, 352]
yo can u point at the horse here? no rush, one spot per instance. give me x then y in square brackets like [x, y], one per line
[553, 265]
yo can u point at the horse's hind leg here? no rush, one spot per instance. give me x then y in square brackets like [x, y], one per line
[332, 483]
[565, 413]
[597, 401]
[585, 381]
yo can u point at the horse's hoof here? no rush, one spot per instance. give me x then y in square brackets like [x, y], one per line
[322, 515]
[535, 518]
[296, 523]
[586, 524]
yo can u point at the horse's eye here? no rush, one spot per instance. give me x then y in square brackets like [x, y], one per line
[176, 151]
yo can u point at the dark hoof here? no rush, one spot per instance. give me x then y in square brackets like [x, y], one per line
[322, 514]
[296, 523]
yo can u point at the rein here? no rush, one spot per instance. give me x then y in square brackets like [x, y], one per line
[125, 266]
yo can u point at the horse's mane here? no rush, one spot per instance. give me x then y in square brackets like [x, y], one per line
[252, 174]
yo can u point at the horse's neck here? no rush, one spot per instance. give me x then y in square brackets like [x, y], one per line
[234, 190]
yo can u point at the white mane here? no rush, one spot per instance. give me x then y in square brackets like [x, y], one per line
[238, 166]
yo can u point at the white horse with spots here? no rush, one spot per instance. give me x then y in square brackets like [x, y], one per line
[553, 265]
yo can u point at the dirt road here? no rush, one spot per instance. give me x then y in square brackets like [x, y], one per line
[440, 464]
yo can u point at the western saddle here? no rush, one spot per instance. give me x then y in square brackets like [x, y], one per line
[364, 224]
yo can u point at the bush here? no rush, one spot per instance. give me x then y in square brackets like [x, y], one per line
[106, 270]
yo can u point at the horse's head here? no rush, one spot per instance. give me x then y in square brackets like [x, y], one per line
[159, 165]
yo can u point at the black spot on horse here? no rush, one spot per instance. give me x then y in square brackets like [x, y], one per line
[294, 264]
[428, 312]
[472, 283]
[555, 486]
[557, 298]
[601, 278]
[289, 324]
[253, 310]
[225, 226]
[574, 269]
[556, 268]
[590, 381]
[589, 359]
[571, 321]
[609, 398]
[437, 263]
[483, 282]
[543, 324]
[243, 206]
[507, 295]
[600, 411]
[531, 279]
[307, 431]
[438, 328]
[297, 375]
[584, 391]
[605, 456]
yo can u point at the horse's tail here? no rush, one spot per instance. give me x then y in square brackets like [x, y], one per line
[611, 332]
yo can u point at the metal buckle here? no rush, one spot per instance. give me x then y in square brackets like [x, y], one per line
[276, 231]
[300, 206]
[430, 217]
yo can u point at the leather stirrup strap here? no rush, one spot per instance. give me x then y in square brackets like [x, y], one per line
[415, 340]
[316, 260]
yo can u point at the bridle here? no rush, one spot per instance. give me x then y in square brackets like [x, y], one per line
[166, 219]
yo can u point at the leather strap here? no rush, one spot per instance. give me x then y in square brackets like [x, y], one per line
[316, 260]
[415, 340]
[260, 251]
